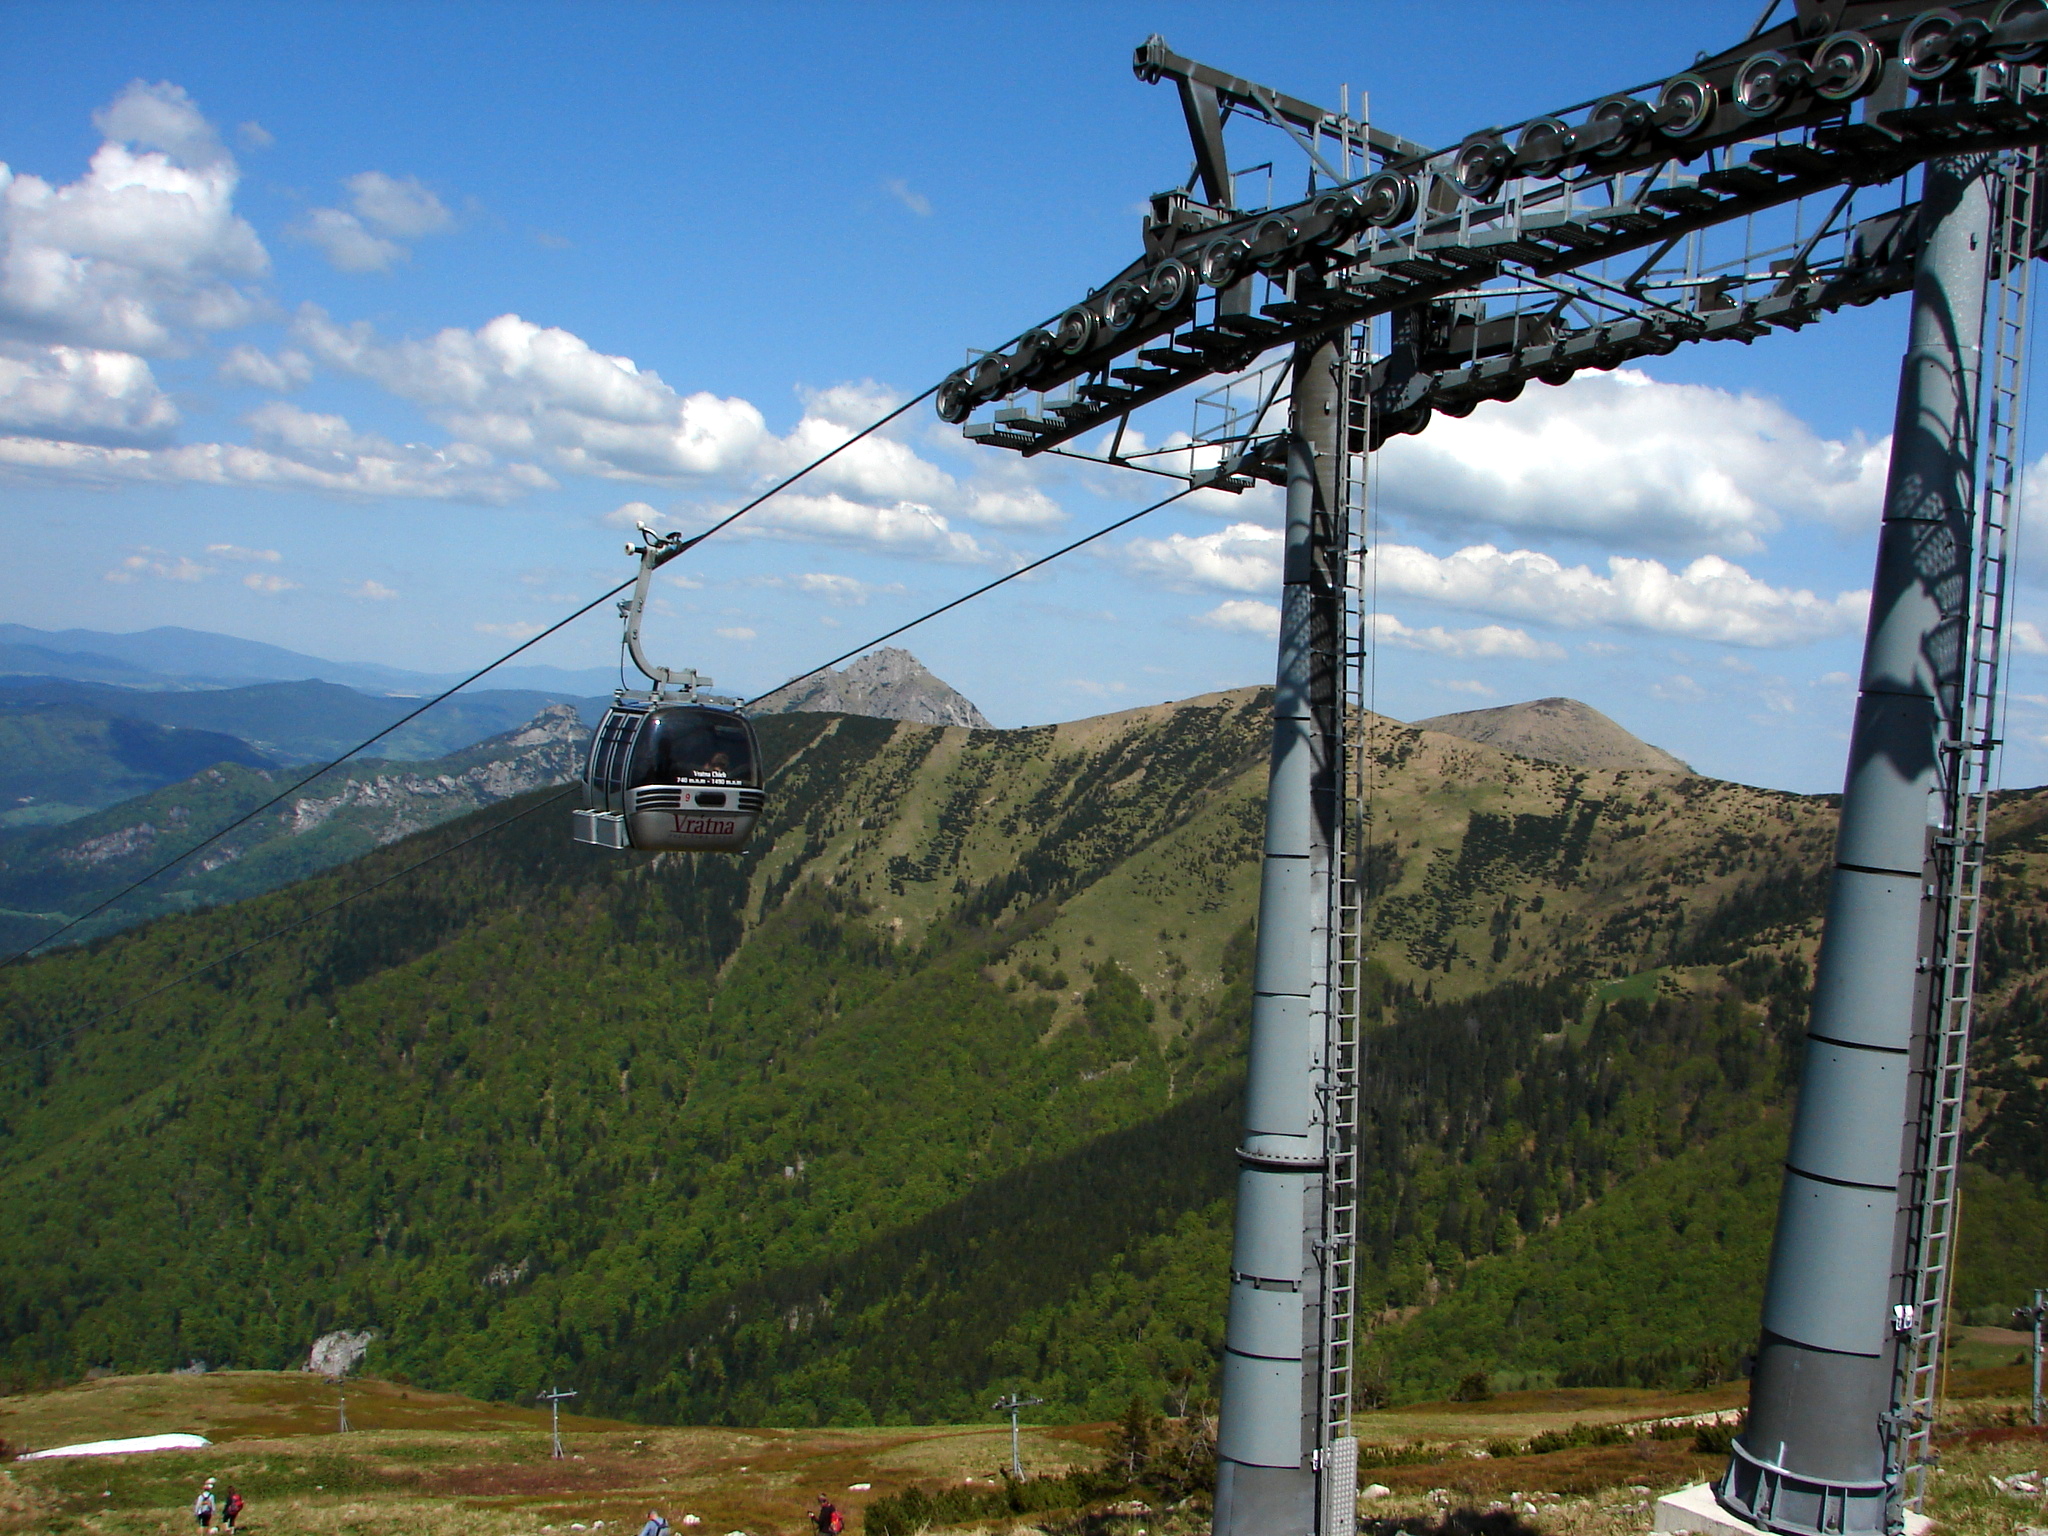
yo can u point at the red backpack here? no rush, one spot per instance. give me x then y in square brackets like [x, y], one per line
[837, 1522]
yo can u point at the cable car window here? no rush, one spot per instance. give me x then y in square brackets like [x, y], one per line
[678, 745]
[608, 751]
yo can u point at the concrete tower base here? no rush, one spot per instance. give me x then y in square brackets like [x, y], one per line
[1694, 1510]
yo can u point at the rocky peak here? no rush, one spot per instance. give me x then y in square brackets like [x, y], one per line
[889, 684]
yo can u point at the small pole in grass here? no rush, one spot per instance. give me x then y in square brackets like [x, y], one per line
[553, 1398]
[1013, 1405]
[2033, 1317]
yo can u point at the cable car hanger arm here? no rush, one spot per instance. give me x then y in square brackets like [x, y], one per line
[654, 551]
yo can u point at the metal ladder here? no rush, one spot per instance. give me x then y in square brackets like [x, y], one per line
[1968, 768]
[1345, 961]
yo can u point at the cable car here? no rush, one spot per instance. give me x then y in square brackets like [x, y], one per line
[670, 768]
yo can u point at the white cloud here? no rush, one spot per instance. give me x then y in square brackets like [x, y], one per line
[840, 591]
[1710, 599]
[1487, 640]
[162, 117]
[373, 592]
[237, 552]
[160, 564]
[516, 387]
[398, 205]
[1241, 558]
[1625, 460]
[263, 581]
[348, 247]
[253, 135]
[289, 370]
[1470, 685]
[294, 450]
[632, 515]
[905, 526]
[2027, 638]
[519, 389]
[1678, 688]
[916, 202]
[82, 394]
[142, 252]
[515, 629]
[1244, 614]
[387, 210]
[737, 632]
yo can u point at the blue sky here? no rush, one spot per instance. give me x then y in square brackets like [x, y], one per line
[354, 328]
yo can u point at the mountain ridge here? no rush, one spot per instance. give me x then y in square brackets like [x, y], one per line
[757, 1138]
[1558, 730]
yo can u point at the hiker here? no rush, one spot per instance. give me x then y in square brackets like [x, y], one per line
[202, 1507]
[231, 1510]
[655, 1526]
[828, 1520]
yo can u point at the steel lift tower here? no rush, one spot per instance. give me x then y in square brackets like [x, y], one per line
[1853, 150]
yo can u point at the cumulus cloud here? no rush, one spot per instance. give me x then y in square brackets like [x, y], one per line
[280, 374]
[384, 211]
[372, 592]
[348, 247]
[515, 629]
[238, 552]
[903, 526]
[1470, 685]
[1241, 558]
[82, 394]
[159, 564]
[400, 206]
[1710, 599]
[1244, 615]
[265, 582]
[292, 450]
[840, 591]
[143, 252]
[2027, 638]
[737, 632]
[1487, 640]
[517, 389]
[1625, 460]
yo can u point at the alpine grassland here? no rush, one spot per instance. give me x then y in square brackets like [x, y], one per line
[931, 1094]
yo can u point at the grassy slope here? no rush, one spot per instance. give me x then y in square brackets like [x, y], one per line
[873, 1120]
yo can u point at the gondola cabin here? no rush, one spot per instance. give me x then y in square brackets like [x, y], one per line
[680, 778]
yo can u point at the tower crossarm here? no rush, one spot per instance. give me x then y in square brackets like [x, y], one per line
[1523, 222]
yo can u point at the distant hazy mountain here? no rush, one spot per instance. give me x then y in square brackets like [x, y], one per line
[59, 761]
[888, 684]
[293, 722]
[171, 657]
[1555, 731]
[55, 870]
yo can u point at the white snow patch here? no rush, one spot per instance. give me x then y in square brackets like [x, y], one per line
[122, 1447]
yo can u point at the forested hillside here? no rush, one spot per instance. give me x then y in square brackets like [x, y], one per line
[932, 1093]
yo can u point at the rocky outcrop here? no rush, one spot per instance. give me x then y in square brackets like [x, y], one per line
[888, 684]
[547, 750]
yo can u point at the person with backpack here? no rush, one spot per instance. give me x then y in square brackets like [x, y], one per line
[231, 1511]
[202, 1508]
[828, 1520]
[655, 1526]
